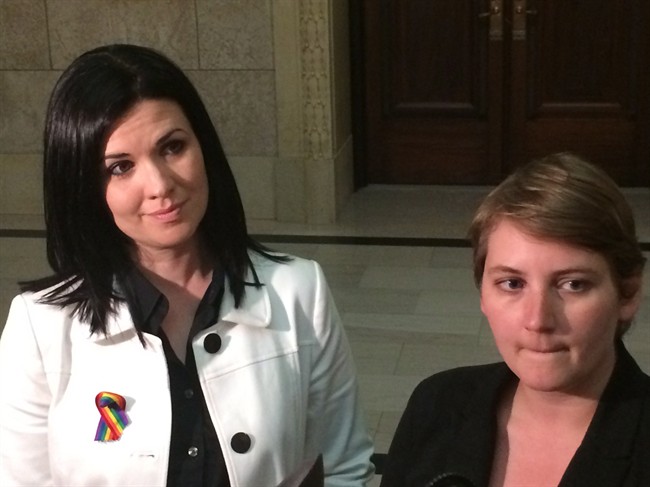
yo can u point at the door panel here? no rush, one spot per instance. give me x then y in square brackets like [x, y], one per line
[579, 66]
[463, 91]
[427, 91]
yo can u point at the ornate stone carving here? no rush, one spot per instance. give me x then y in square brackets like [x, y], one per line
[316, 78]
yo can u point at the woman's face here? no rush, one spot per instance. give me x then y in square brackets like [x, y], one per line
[553, 309]
[156, 185]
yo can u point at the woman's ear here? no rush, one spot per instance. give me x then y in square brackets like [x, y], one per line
[631, 293]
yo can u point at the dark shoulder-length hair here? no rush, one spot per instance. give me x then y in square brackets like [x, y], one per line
[85, 249]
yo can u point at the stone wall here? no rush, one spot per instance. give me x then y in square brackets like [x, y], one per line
[274, 75]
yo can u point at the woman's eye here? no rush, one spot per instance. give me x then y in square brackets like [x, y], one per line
[120, 168]
[574, 285]
[173, 147]
[511, 284]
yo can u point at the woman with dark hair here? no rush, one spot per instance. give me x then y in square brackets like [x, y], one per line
[559, 270]
[168, 347]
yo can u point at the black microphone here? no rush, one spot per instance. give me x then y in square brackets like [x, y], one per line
[450, 480]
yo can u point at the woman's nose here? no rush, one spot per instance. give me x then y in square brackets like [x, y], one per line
[158, 180]
[540, 310]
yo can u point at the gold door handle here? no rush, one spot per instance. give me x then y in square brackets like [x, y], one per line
[519, 19]
[520, 10]
[495, 9]
[495, 14]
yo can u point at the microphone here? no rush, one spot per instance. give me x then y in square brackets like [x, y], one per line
[450, 479]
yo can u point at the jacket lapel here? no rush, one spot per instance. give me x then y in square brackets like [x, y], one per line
[604, 457]
[254, 310]
[119, 327]
[471, 452]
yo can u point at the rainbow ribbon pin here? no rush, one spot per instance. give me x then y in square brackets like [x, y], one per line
[112, 409]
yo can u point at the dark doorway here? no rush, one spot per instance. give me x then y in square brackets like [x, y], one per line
[462, 91]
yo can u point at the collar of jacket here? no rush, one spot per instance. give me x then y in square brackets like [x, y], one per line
[604, 456]
[616, 433]
[254, 310]
[472, 450]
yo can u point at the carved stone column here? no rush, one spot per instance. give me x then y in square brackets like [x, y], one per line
[307, 187]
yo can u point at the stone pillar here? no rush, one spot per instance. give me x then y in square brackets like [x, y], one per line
[314, 167]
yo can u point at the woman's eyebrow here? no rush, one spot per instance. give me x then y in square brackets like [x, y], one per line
[166, 136]
[117, 155]
[159, 142]
[503, 269]
[577, 270]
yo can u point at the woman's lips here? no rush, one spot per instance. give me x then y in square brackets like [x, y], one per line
[168, 214]
[546, 350]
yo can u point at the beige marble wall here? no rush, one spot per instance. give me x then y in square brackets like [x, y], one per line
[274, 75]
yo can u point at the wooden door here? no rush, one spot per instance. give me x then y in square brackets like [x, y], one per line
[463, 91]
[580, 74]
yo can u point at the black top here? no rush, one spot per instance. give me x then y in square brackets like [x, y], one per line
[449, 427]
[195, 456]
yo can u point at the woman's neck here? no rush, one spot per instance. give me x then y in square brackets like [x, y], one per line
[183, 276]
[552, 409]
[575, 405]
[538, 433]
[176, 267]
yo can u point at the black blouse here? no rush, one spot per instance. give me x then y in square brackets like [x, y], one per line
[195, 455]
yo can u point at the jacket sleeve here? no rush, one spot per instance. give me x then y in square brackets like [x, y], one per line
[334, 417]
[24, 403]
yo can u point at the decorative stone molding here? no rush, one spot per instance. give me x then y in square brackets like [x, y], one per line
[308, 187]
[316, 78]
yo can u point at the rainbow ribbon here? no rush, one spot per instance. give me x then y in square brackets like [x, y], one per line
[112, 409]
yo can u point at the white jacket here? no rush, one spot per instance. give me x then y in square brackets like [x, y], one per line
[283, 376]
